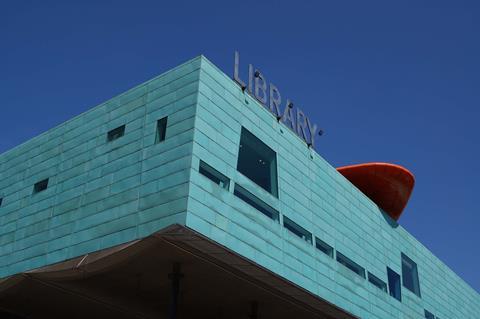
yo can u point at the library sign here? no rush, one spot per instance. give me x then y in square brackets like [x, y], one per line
[269, 96]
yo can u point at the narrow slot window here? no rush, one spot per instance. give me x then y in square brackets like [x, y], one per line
[161, 130]
[297, 229]
[214, 175]
[1, 201]
[410, 275]
[350, 264]
[394, 284]
[324, 247]
[116, 133]
[256, 203]
[429, 315]
[380, 284]
[40, 186]
[258, 162]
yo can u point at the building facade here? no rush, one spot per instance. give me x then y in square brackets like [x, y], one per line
[191, 149]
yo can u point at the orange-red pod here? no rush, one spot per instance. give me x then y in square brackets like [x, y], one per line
[388, 185]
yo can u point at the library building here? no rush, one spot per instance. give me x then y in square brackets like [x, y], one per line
[199, 194]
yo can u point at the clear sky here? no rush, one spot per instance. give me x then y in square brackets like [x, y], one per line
[394, 81]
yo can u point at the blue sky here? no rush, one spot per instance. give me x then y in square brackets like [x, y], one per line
[394, 81]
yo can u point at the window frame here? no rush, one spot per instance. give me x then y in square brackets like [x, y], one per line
[410, 268]
[428, 314]
[213, 175]
[161, 130]
[250, 140]
[324, 247]
[350, 265]
[377, 282]
[255, 202]
[297, 230]
[41, 186]
[392, 291]
[116, 133]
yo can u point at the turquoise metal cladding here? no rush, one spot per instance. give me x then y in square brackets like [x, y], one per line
[315, 196]
[102, 194]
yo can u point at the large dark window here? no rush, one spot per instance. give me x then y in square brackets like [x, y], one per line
[258, 162]
[410, 275]
[394, 284]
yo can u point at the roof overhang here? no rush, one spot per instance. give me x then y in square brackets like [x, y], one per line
[132, 281]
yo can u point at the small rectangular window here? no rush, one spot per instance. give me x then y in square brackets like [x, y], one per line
[1, 201]
[161, 130]
[116, 133]
[394, 284]
[429, 315]
[380, 284]
[258, 162]
[214, 175]
[410, 275]
[297, 229]
[40, 186]
[350, 264]
[256, 202]
[324, 247]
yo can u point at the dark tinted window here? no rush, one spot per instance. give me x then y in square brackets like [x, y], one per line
[161, 130]
[350, 264]
[380, 284]
[116, 133]
[429, 315]
[40, 186]
[297, 229]
[214, 175]
[324, 247]
[256, 202]
[258, 162]
[394, 284]
[410, 275]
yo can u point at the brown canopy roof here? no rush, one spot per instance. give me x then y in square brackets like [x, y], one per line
[132, 281]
